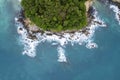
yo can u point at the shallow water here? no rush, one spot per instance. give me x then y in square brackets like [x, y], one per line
[101, 63]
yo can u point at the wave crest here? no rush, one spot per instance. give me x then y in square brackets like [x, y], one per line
[117, 12]
[61, 55]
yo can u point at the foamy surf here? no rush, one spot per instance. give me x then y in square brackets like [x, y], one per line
[117, 12]
[61, 40]
[91, 45]
[29, 44]
[61, 55]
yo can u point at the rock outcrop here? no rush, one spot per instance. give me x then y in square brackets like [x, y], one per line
[88, 4]
[116, 1]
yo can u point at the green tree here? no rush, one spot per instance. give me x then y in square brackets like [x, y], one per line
[56, 15]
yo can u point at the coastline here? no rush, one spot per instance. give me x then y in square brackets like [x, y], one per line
[116, 2]
[88, 4]
[60, 40]
[74, 56]
[32, 28]
[32, 36]
[115, 7]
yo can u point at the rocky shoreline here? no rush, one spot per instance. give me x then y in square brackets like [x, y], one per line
[115, 5]
[32, 29]
[116, 8]
[116, 2]
[31, 35]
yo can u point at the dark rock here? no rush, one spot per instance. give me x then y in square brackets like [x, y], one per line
[90, 14]
[33, 37]
[21, 20]
[21, 29]
[84, 30]
[86, 33]
[119, 16]
[98, 22]
[115, 3]
[91, 11]
[50, 34]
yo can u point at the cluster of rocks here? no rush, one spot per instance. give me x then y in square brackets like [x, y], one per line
[32, 29]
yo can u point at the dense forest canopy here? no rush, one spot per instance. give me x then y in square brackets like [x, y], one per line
[56, 15]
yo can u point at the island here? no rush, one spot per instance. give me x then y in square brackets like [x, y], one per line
[56, 15]
[57, 21]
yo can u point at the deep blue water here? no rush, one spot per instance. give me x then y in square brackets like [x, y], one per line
[101, 63]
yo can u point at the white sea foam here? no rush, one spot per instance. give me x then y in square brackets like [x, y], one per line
[91, 45]
[117, 12]
[61, 55]
[73, 38]
[29, 44]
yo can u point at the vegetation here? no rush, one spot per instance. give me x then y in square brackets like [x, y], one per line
[56, 15]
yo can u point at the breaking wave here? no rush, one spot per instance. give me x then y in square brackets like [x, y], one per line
[61, 55]
[29, 44]
[78, 37]
[117, 12]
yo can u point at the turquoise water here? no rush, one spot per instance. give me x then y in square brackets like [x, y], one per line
[101, 63]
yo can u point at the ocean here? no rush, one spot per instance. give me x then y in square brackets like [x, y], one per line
[81, 61]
